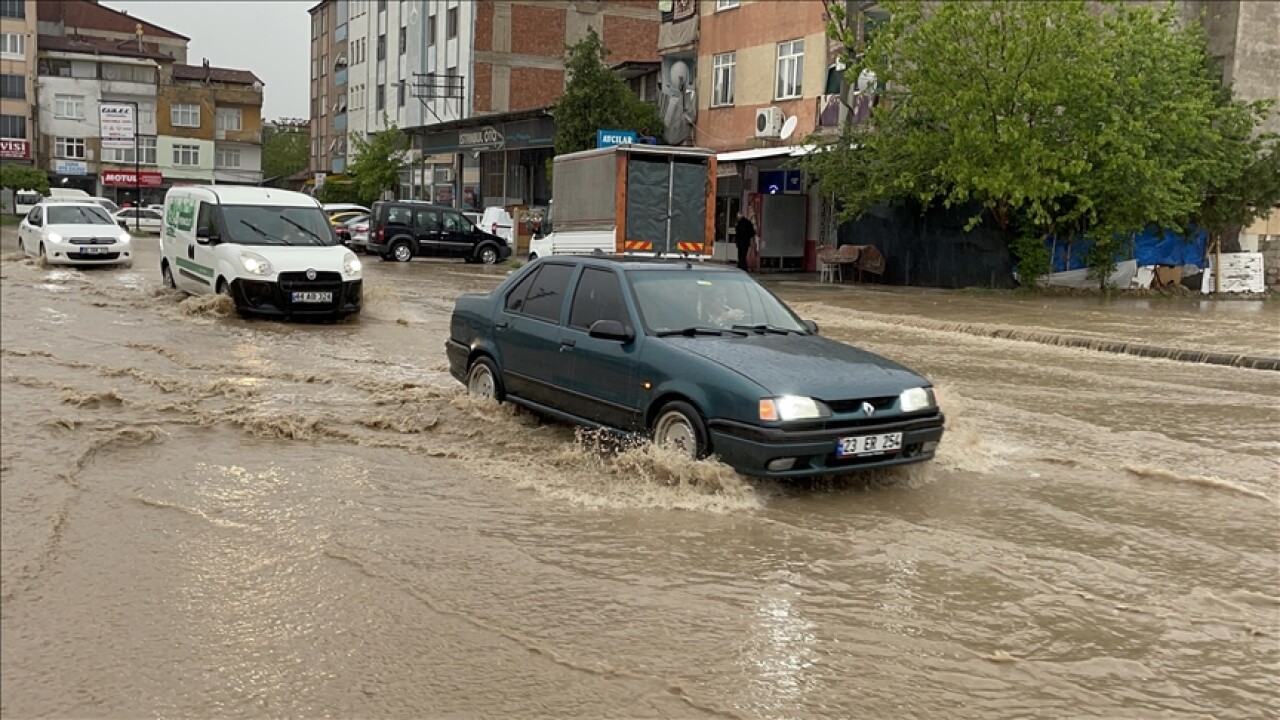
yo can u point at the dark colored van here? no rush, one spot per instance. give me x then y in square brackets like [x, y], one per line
[401, 230]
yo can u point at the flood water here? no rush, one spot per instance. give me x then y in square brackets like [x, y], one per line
[209, 517]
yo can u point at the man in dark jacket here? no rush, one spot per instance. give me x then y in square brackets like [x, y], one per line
[744, 235]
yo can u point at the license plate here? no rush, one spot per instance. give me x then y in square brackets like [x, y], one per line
[93, 250]
[313, 297]
[869, 445]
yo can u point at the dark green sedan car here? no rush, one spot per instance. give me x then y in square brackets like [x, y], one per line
[701, 358]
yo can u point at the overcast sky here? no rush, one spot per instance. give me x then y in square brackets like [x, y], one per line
[269, 37]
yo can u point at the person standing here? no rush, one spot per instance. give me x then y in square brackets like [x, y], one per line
[744, 235]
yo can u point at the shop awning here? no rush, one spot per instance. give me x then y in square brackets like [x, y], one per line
[755, 153]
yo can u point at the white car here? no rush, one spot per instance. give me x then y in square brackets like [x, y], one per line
[74, 233]
[146, 220]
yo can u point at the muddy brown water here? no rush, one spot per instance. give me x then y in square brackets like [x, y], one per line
[209, 517]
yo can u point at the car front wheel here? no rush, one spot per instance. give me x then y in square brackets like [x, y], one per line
[401, 252]
[483, 380]
[679, 427]
[167, 276]
[488, 255]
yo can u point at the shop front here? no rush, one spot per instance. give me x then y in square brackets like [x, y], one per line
[73, 175]
[766, 181]
[495, 160]
[122, 186]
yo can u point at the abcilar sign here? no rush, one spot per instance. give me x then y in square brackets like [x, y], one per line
[118, 123]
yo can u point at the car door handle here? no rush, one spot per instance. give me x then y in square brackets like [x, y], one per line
[568, 342]
[501, 325]
[191, 252]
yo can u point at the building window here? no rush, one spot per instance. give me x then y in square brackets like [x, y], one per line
[184, 115]
[68, 106]
[381, 98]
[382, 6]
[227, 158]
[13, 46]
[404, 40]
[13, 126]
[431, 30]
[13, 9]
[790, 69]
[186, 155]
[146, 115]
[382, 47]
[69, 148]
[228, 119]
[723, 67]
[400, 93]
[123, 156]
[129, 73]
[726, 5]
[13, 87]
[451, 23]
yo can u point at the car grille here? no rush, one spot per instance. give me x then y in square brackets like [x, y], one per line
[850, 406]
[92, 241]
[298, 282]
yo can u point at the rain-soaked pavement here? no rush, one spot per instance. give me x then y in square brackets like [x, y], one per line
[208, 517]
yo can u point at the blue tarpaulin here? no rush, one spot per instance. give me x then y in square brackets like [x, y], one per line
[1152, 246]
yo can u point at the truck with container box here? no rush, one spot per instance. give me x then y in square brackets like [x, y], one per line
[644, 200]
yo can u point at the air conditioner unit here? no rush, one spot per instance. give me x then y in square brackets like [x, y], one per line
[769, 122]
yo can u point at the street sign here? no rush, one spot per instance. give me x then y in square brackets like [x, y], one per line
[14, 149]
[117, 126]
[609, 138]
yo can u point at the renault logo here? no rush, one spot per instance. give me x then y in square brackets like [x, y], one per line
[311, 274]
[868, 409]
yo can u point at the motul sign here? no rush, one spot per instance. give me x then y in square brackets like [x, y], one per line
[14, 149]
[125, 178]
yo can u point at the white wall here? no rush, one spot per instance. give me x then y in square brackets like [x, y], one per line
[164, 158]
[250, 169]
[48, 88]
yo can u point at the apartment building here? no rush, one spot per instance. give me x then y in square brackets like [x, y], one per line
[470, 80]
[17, 81]
[210, 121]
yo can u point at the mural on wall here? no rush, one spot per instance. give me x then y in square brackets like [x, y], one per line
[678, 102]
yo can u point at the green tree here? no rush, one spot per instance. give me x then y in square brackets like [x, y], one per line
[376, 167]
[1052, 118]
[23, 177]
[285, 149]
[595, 98]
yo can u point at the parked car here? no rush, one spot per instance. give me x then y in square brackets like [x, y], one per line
[331, 208]
[107, 204]
[403, 229]
[148, 220]
[337, 219]
[701, 358]
[356, 232]
[272, 251]
[340, 227]
[67, 232]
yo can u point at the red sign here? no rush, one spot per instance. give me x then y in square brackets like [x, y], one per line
[125, 178]
[17, 149]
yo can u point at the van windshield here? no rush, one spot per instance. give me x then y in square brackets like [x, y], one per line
[278, 225]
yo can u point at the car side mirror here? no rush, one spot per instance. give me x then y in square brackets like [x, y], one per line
[611, 330]
[206, 239]
[811, 326]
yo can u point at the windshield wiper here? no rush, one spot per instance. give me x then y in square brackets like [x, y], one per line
[763, 328]
[263, 233]
[319, 240]
[695, 330]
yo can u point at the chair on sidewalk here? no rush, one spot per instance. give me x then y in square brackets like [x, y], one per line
[829, 266]
[848, 255]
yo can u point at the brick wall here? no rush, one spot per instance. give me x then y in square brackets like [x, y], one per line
[538, 30]
[484, 27]
[630, 39]
[535, 87]
[482, 82]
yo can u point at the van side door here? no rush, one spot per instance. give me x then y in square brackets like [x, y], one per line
[197, 264]
[426, 230]
[460, 236]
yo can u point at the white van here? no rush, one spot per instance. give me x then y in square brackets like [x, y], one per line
[272, 251]
[24, 200]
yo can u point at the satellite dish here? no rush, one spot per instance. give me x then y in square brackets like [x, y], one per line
[789, 127]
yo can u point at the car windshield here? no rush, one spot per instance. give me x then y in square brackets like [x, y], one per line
[277, 225]
[673, 301]
[78, 215]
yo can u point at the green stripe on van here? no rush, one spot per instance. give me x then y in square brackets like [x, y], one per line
[195, 267]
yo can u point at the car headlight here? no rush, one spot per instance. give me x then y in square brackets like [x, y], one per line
[792, 407]
[351, 264]
[124, 237]
[53, 237]
[916, 398]
[255, 264]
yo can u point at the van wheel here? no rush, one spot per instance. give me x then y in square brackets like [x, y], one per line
[166, 276]
[223, 288]
[40, 252]
[401, 252]
[533, 256]
[488, 255]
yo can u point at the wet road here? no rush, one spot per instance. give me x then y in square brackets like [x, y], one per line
[204, 516]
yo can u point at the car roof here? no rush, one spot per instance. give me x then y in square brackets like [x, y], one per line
[82, 202]
[250, 195]
[630, 262]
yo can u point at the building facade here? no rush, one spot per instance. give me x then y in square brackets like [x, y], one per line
[210, 122]
[18, 30]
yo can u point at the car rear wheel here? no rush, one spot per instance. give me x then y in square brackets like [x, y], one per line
[401, 252]
[483, 381]
[679, 427]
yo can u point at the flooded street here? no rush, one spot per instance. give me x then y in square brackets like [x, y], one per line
[210, 517]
